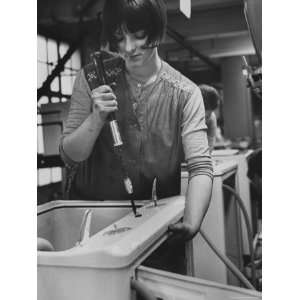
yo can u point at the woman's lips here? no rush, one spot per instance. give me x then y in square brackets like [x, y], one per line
[134, 57]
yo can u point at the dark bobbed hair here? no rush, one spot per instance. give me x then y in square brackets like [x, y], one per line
[210, 96]
[148, 15]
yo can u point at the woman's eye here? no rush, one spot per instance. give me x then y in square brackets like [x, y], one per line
[119, 36]
[140, 34]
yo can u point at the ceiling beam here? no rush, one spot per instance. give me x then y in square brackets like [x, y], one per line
[181, 41]
[173, 5]
[217, 22]
[198, 38]
[225, 47]
[231, 45]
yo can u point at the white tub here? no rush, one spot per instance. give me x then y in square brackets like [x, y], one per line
[101, 267]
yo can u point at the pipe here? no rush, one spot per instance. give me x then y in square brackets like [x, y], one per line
[248, 226]
[228, 263]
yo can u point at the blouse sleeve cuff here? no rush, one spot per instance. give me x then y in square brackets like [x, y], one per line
[200, 166]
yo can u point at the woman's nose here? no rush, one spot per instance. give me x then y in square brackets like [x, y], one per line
[129, 44]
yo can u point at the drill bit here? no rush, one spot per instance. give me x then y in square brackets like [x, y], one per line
[154, 195]
[128, 186]
[129, 190]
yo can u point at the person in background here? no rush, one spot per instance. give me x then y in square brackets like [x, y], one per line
[211, 100]
[158, 111]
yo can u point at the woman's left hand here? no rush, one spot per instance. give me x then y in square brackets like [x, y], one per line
[182, 232]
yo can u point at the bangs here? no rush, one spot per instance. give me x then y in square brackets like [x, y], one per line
[136, 18]
[135, 15]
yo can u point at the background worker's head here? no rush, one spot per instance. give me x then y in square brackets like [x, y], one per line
[211, 99]
[134, 28]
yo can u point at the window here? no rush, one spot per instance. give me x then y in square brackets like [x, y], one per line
[49, 52]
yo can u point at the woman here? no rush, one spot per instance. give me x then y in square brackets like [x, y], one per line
[158, 111]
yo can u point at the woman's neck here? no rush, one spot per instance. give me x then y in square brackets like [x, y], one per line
[147, 71]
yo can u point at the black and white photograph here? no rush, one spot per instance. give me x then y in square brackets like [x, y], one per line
[149, 150]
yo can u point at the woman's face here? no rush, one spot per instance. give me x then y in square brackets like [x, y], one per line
[132, 46]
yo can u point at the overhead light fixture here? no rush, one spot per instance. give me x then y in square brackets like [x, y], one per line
[185, 7]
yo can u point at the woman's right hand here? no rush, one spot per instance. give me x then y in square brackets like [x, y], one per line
[104, 101]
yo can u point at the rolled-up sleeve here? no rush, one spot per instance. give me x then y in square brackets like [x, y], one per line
[80, 108]
[194, 136]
